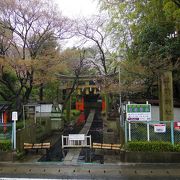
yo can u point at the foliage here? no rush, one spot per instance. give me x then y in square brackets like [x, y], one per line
[29, 52]
[99, 55]
[146, 33]
[74, 114]
[19, 124]
[177, 148]
[154, 146]
[5, 145]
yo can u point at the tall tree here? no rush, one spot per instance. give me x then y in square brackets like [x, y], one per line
[154, 38]
[93, 31]
[146, 30]
[32, 23]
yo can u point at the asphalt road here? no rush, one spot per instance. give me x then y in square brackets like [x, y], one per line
[89, 171]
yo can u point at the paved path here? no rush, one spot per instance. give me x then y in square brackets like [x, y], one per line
[73, 153]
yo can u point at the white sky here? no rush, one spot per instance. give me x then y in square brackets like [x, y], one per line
[77, 8]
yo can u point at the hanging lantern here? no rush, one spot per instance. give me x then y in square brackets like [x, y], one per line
[79, 92]
[95, 91]
[87, 91]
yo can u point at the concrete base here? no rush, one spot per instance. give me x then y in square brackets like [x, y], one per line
[7, 156]
[150, 157]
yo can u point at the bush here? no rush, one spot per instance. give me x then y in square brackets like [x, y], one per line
[74, 113]
[177, 148]
[19, 124]
[155, 146]
[5, 145]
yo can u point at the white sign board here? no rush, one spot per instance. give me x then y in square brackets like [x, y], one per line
[139, 116]
[138, 112]
[14, 116]
[75, 137]
[159, 128]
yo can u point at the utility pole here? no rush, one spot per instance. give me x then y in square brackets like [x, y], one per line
[120, 103]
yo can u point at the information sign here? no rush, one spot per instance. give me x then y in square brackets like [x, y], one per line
[14, 116]
[75, 137]
[159, 128]
[138, 112]
[177, 125]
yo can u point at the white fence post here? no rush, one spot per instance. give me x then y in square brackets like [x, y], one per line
[129, 131]
[148, 134]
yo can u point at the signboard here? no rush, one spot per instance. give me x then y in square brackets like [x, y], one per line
[14, 116]
[138, 112]
[75, 137]
[159, 128]
[177, 125]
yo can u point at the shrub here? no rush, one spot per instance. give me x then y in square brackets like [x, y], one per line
[20, 125]
[154, 146]
[177, 148]
[5, 145]
[75, 112]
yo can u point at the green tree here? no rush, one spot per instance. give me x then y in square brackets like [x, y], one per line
[147, 32]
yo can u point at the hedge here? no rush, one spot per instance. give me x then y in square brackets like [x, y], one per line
[5, 145]
[153, 146]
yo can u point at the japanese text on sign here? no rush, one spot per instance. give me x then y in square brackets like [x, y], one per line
[159, 128]
[138, 112]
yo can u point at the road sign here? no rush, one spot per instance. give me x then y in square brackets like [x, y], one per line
[138, 112]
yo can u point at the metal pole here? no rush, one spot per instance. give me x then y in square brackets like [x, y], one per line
[120, 109]
[126, 133]
[172, 132]
[129, 131]
[14, 118]
[14, 135]
[24, 116]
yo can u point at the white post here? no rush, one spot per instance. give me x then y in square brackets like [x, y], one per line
[14, 118]
[62, 141]
[14, 135]
[129, 131]
[90, 141]
[148, 135]
[2, 117]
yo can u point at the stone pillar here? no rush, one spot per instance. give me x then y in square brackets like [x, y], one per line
[166, 96]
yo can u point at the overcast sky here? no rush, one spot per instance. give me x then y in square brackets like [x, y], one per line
[74, 9]
[77, 8]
